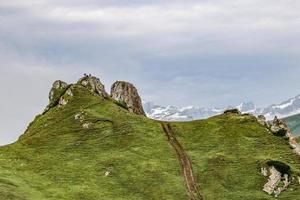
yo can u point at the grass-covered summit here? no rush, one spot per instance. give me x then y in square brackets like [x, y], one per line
[88, 146]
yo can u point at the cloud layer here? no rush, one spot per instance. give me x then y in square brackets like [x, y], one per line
[206, 53]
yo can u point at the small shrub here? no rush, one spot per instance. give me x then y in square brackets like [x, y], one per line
[232, 111]
[281, 132]
[280, 166]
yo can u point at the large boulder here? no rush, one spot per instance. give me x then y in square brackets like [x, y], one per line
[58, 89]
[124, 92]
[94, 85]
[280, 128]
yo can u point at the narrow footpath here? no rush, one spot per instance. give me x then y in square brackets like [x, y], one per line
[185, 163]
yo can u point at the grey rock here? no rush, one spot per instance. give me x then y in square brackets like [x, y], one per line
[279, 127]
[275, 177]
[262, 120]
[125, 92]
[55, 94]
[57, 88]
[94, 85]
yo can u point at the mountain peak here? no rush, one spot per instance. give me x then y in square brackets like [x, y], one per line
[122, 92]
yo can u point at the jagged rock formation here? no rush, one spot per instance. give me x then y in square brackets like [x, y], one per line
[58, 89]
[94, 85]
[280, 128]
[64, 99]
[277, 182]
[125, 92]
[261, 119]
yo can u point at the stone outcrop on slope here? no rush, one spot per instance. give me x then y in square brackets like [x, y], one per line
[58, 89]
[261, 119]
[277, 182]
[94, 85]
[125, 92]
[280, 128]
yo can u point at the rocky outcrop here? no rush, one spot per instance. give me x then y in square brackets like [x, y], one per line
[125, 92]
[277, 182]
[94, 85]
[278, 178]
[58, 89]
[280, 128]
[66, 97]
[261, 119]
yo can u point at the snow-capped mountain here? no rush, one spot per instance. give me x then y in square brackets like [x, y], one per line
[284, 109]
[175, 113]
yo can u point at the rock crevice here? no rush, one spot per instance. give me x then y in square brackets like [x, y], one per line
[272, 187]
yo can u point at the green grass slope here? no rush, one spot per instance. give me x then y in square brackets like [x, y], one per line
[294, 124]
[125, 156]
[227, 152]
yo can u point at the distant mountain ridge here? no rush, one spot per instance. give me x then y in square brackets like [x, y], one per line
[175, 113]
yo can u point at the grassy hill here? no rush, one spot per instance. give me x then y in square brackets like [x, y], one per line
[294, 124]
[93, 149]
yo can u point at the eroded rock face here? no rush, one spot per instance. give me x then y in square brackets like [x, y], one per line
[94, 85]
[262, 120]
[57, 89]
[126, 92]
[64, 99]
[280, 128]
[277, 182]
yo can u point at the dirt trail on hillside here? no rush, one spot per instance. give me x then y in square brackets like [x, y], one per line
[185, 163]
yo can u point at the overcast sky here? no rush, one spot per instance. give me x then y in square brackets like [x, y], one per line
[190, 52]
